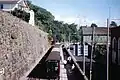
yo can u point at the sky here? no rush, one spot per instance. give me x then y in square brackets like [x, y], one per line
[82, 12]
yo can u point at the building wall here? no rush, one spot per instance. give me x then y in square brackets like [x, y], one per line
[101, 39]
[87, 39]
[8, 7]
[115, 46]
[98, 39]
[12, 6]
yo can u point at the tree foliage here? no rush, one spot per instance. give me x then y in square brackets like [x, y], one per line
[94, 25]
[45, 20]
[113, 24]
[60, 30]
[21, 14]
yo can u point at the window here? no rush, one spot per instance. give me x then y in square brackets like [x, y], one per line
[114, 50]
[1, 6]
[119, 51]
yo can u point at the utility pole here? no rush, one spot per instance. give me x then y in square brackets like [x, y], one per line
[92, 43]
[82, 50]
[108, 49]
[83, 60]
[108, 24]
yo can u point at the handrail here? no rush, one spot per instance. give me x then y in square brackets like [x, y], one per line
[75, 62]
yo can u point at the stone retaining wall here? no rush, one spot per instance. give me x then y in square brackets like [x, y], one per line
[21, 45]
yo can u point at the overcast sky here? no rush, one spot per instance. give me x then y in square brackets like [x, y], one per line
[82, 12]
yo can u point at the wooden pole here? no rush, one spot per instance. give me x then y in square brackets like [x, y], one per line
[92, 43]
[108, 49]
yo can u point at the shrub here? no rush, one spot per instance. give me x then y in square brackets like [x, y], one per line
[21, 14]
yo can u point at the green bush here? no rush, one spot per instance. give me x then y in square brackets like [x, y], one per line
[21, 14]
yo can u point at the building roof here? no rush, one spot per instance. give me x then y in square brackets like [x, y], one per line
[54, 55]
[98, 30]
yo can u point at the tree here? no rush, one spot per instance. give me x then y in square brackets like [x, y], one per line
[45, 20]
[21, 14]
[93, 25]
[113, 24]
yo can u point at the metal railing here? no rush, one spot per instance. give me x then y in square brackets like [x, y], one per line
[76, 64]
